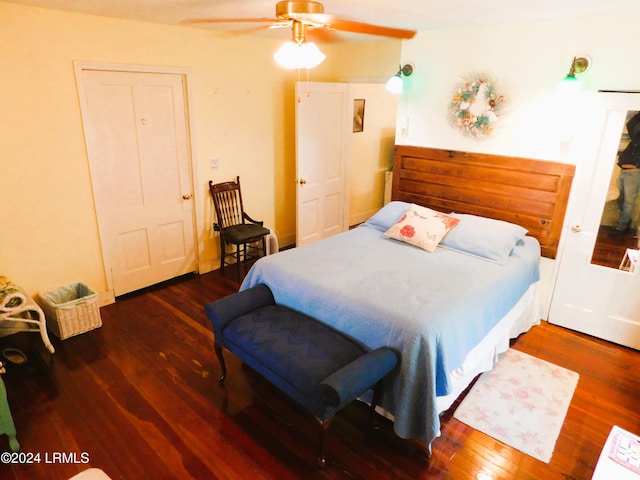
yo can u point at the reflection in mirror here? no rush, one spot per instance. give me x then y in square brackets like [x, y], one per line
[617, 244]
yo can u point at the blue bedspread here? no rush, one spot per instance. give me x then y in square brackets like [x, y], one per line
[432, 307]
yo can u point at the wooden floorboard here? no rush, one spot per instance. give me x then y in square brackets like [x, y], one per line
[139, 398]
[609, 250]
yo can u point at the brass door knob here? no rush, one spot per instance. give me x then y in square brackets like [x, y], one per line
[186, 196]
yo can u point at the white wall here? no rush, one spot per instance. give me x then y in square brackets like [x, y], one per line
[526, 61]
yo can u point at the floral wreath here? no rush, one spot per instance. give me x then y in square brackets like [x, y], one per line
[474, 107]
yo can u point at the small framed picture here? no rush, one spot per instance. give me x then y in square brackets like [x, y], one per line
[358, 115]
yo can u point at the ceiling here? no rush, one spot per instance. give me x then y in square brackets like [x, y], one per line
[408, 14]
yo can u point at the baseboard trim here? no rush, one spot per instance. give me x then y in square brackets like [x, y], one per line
[106, 298]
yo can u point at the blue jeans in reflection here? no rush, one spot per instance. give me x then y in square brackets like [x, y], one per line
[629, 185]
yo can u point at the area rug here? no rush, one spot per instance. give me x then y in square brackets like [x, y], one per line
[522, 402]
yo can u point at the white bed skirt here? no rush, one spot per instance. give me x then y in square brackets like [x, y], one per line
[484, 356]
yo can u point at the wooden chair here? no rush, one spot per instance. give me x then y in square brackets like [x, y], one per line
[235, 226]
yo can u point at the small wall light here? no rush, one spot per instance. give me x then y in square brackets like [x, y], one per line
[578, 65]
[394, 84]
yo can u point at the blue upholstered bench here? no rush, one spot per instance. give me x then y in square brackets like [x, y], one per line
[319, 368]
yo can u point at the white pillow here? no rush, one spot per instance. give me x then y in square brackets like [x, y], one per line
[422, 227]
[388, 215]
[483, 237]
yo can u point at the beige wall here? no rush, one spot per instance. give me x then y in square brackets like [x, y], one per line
[371, 150]
[371, 62]
[242, 108]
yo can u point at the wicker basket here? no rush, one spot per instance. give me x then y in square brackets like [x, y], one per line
[71, 310]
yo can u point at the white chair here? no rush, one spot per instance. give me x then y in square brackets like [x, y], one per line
[629, 260]
[19, 313]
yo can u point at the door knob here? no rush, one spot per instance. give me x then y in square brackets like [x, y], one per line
[302, 181]
[186, 196]
[576, 228]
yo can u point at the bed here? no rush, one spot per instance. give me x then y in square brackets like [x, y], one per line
[451, 309]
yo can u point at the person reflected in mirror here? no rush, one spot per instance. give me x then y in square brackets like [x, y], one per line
[629, 179]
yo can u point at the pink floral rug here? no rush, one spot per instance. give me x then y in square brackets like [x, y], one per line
[522, 402]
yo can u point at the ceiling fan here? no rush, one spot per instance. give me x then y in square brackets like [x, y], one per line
[304, 15]
[308, 15]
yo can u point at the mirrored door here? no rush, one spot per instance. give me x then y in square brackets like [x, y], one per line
[597, 284]
[616, 244]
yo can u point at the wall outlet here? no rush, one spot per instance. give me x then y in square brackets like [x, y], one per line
[215, 163]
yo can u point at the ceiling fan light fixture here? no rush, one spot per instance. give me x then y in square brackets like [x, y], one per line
[294, 55]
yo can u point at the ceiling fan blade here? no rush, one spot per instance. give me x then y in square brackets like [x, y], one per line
[281, 24]
[309, 13]
[232, 20]
[329, 21]
[322, 35]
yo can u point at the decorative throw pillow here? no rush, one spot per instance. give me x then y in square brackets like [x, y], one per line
[422, 227]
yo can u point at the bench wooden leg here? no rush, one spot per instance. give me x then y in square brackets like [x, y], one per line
[322, 428]
[218, 349]
[377, 390]
[324, 425]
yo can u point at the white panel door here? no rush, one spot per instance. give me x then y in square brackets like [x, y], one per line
[137, 137]
[593, 299]
[322, 128]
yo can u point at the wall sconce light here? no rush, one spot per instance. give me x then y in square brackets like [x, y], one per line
[578, 65]
[299, 53]
[394, 84]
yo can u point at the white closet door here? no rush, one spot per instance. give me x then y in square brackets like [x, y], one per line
[322, 126]
[137, 138]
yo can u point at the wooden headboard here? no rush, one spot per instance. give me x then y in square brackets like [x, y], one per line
[530, 193]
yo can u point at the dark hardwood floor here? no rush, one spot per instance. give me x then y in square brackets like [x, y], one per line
[139, 399]
[610, 250]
